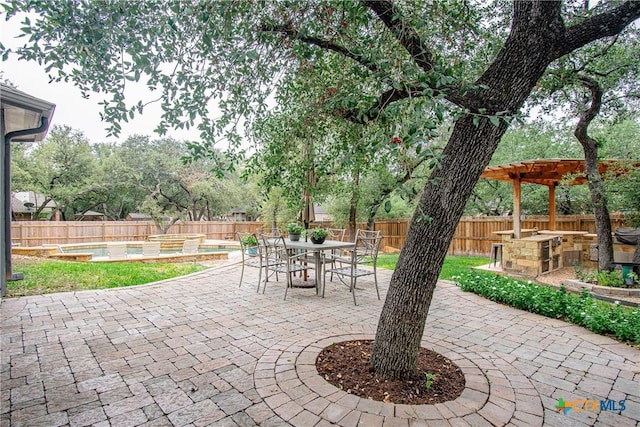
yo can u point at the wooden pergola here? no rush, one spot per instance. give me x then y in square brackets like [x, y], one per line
[547, 172]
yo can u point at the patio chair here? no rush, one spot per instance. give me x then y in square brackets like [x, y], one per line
[117, 250]
[252, 255]
[336, 233]
[190, 246]
[330, 258]
[150, 249]
[366, 249]
[279, 259]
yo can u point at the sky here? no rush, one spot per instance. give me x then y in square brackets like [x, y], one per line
[71, 108]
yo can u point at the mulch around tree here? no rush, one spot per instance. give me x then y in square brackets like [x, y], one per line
[346, 366]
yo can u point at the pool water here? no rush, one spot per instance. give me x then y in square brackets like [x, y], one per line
[101, 251]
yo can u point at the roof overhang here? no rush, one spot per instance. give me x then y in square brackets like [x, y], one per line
[22, 111]
[23, 118]
[549, 172]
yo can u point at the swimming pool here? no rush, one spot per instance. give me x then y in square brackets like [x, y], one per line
[101, 251]
[97, 251]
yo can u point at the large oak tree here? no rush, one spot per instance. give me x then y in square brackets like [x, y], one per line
[62, 168]
[598, 80]
[229, 55]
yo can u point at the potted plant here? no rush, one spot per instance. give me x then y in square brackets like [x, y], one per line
[294, 231]
[250, 241]
[318, 235]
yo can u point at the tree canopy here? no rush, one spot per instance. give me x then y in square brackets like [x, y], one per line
[369, 62]
[140, 175]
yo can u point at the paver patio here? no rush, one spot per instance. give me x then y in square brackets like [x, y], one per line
[200, 351]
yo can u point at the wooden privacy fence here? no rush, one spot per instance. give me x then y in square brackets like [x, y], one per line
[37, 233]
[474, 235]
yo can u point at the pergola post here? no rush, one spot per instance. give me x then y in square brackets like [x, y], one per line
[516, 207]
[552, 206]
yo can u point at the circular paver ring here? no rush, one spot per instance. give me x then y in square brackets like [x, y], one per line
[495, 392]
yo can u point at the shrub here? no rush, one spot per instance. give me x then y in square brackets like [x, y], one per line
[597, 316]
[610, 278]
[588, 276]
[602, 278]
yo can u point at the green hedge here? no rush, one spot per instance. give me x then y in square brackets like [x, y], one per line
[597, 316]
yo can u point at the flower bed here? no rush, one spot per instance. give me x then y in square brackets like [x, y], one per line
[599, 317]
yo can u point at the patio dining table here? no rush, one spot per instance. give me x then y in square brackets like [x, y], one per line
[328, 245]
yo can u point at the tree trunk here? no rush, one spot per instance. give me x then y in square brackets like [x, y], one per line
[599, 202]
[40, 208]
[509, 80]
[373, 209]
[564, 206]
[403, 316]
[596, 185]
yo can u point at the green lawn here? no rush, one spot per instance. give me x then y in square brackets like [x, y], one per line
[45, 277]
[49, 276]
[452, 266]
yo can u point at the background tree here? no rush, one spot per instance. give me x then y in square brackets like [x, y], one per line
[530, 140]
[385, 153]
[621, 140]
[275, 211]
[115, 196]
[140, 174]
[20, 178]
[62, 168]
[170, 188]
[429, 56]
[623, 191]
[599, 79]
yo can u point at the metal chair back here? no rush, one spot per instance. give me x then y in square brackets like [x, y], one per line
[336, 234]
[251, 254]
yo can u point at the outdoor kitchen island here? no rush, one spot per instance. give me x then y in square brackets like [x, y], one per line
[538, 252]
